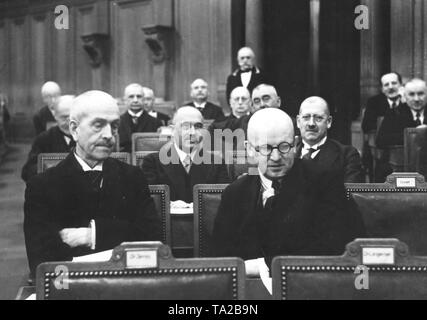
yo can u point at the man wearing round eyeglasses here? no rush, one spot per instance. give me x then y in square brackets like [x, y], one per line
[314, 120]
[182, 162]
[288, 208]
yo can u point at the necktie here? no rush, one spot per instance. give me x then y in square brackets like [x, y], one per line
[95, 178]
[71, 144]
[134, 119]
[418, 120]
[187, 163]
[270, 201]
[394, 105]
[307, 156]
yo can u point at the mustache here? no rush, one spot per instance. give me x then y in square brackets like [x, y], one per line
[105, 144]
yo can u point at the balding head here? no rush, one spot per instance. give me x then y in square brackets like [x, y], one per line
[188, 122]
[62, 112]
[240, 101]
[246, 58]
[265, 96]
[94, 123]
[314, 120]
[273, 128]
[199, 91]
[50, 93]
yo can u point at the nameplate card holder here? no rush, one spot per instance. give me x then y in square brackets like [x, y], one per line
[405, 183]
[378, 256]
[141, 259]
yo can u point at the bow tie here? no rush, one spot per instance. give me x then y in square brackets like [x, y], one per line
[246, 71]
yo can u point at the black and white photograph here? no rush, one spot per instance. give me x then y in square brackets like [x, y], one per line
[212, 150]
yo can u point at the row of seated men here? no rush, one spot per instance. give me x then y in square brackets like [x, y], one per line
[294, 205]
[387, 114]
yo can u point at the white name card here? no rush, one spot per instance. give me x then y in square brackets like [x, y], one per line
[405, 182]
[372, 256]
[141, 259]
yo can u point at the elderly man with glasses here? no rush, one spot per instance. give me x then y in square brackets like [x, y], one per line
[289, 208]
[186, 160]
[314, 120]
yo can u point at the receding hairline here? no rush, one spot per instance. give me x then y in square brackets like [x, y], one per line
[133, 85]
[246, 49]
[265, 86]
[237, 89]
[184, 109]
[200, 80]
[416, 81]
[313, 101]
[50, 86]
[148, 90]
[266, 119]
[90, 99]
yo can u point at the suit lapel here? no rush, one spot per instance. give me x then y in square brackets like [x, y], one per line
[327, 155]
[175, 172]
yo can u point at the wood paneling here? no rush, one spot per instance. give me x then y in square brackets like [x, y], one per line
[4, 56]
[19, 64]
[204, 46]
[130, 54]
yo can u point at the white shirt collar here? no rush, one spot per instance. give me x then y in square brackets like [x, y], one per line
[201, 105]
[315, 146]
[133, 114]
[245, 78]
[85, 166]
[390, 102]
[153, 114]
[265, 182]
[67, 139]
[182, 155]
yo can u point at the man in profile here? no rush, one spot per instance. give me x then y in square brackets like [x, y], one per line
[57, 139]
[44, 118]
[289, 208]
[135, 119]
[88, 202]
[199, 94]
[247, 75]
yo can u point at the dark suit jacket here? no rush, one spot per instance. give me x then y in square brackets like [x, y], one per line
[210, 111]
[391, 130]
[343, 157]
[48, 141]
[62, 197]
[41, 118]
[234, 81]
[174, 175]
[163, 118]
[146, 123]
[310, 217]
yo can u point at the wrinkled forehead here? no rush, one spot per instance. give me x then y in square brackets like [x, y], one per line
[199, 84]
[245, 53]
[133, 90]
[318, 108]
[240, 92]
[187, 116]
[273, 135]
[264, 91]
[390, 77]
[415, 87]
